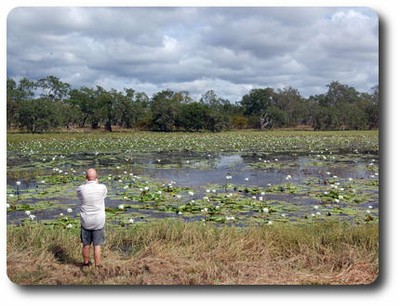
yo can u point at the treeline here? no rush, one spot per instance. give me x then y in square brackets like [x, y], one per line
[48, 103]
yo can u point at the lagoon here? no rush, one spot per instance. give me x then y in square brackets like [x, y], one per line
[230, 187]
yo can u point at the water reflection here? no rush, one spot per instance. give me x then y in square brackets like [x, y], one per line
[190, 169]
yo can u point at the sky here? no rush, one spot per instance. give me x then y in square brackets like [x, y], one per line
[230, 50]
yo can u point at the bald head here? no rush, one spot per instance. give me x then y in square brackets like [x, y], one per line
[91, 174]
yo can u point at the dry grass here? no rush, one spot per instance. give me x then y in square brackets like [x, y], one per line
[177, 253]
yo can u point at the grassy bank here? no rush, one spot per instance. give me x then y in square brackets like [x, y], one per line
[178, 253]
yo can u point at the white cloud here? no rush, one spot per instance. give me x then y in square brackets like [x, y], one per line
[197, 49]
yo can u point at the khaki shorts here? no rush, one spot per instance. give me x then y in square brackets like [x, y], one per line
[97, 237]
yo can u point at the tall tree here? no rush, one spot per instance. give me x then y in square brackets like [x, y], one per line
[164, 107]
[53, 88]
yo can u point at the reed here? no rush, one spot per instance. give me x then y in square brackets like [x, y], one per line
[172, 252]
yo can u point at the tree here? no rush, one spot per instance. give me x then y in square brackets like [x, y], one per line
[39, 115]
[372, 108]
[85, 99]
[340, 94]
[193, 117]
[16, 94]
[164, 108]
[106, 102]
[290, 102]
[257, 101]
[53, 89]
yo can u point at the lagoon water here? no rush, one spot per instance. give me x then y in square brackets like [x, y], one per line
[193, 170]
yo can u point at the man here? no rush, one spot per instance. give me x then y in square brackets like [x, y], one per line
[93, 216]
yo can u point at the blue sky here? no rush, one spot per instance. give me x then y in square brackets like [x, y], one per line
[227, 49]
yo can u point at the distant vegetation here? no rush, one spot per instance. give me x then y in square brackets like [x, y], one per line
[49, 104]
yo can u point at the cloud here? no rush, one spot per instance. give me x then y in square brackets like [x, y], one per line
[229, 50]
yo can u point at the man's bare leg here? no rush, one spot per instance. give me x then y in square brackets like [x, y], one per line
[86, 254]
[97, 255]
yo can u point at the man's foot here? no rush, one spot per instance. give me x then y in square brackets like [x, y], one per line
[86, 264]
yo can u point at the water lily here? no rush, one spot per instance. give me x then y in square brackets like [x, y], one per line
[69, 225]
[27, 212]
[131, 220]
[316, 207]
[191, 193]
[121, 206]
[266, 210]
[69, 210]
[18, 183]
[31, 217]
